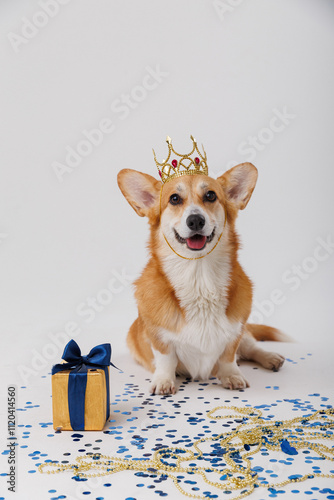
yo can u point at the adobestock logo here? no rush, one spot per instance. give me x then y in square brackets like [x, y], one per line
[138, 94]
[52, 350]
[74, 155]
[31, 28]
[293, 278]
[89, 308]
[253, 144]
[121, 109]
[223, 7]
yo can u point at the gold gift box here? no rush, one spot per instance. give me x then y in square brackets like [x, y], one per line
[95, 400]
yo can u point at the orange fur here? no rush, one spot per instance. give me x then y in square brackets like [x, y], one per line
[264, 332]
[158, 306]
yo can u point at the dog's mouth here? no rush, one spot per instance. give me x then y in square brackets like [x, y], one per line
[196, 241]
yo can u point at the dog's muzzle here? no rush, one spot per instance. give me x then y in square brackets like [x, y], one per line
[196, 241]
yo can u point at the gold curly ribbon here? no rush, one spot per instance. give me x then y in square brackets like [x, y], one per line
[245, 441]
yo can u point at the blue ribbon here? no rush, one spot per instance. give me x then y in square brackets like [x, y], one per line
[98, 357]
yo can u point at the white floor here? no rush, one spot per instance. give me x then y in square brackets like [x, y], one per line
[139, 422]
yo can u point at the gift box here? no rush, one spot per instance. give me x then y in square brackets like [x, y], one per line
[80, 389]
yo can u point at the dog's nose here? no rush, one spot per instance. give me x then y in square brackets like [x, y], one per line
[195, 222]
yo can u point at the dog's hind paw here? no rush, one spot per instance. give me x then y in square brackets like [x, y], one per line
[163, 386]
[271, 360]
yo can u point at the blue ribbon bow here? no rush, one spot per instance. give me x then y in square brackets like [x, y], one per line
[98, 357]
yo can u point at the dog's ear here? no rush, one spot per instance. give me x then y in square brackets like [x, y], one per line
[239, 183]
[140, 190]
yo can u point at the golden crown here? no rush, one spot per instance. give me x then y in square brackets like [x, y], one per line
[184, 165]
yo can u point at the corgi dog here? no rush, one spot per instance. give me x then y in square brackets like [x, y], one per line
[193, 297]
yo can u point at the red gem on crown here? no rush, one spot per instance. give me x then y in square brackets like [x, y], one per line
[197, 160]
[174, 163]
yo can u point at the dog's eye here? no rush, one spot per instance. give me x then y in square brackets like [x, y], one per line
[175, 199]
[210, 196]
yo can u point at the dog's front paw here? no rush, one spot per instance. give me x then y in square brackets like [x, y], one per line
[234, 381]
[163, 385]
[272, 361]
[231, 377]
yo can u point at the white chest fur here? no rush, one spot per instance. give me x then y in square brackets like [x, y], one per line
[201, 287]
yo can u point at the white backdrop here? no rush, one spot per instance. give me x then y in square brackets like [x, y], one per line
[253, 81]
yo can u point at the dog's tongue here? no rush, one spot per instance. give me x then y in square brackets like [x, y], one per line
[196, 242]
